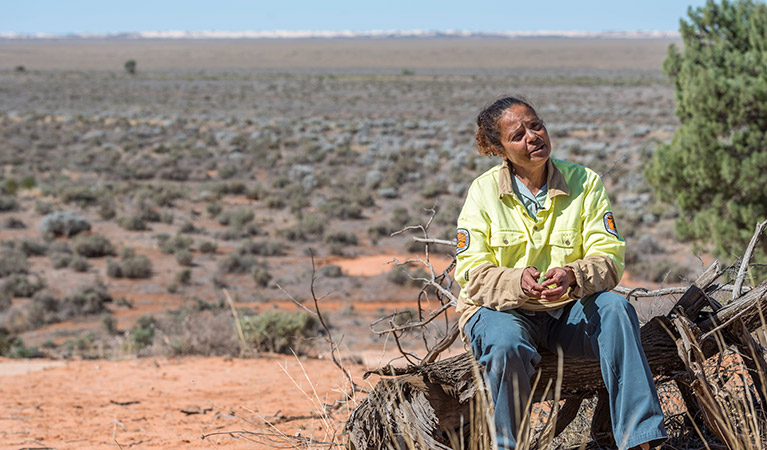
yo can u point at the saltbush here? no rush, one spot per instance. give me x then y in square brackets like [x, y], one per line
[280, 332]
[63, 223]
[92, 246]
[12, 261]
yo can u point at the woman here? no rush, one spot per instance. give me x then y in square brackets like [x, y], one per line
[534, 215]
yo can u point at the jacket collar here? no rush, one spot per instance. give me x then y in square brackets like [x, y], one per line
[555, 181]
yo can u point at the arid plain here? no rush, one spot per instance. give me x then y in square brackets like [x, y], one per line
[133, 204]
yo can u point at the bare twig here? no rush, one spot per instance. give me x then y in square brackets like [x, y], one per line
[329, 334]
[244, 348]
[274, 439]
[747, 259]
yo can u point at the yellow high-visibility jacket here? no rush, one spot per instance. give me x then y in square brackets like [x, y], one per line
[497, 239]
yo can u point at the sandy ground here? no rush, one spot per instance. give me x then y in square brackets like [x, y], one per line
[167, 403]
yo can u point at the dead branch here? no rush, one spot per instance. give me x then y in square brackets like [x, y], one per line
[747, 259]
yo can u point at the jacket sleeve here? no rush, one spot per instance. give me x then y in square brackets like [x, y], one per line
[602, 266]
[482, 281]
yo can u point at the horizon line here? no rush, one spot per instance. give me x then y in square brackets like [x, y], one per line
[344, 34]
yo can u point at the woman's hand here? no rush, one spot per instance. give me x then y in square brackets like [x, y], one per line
[530, 285]
[556, 283]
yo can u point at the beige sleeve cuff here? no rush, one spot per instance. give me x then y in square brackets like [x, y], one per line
[494, 287]
[593, 274]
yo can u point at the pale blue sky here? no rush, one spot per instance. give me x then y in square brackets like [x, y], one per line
[105, 16]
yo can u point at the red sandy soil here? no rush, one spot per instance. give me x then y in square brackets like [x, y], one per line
[141, 403]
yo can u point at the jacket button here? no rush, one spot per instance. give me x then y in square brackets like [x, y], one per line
[567, 242]
[505, 241]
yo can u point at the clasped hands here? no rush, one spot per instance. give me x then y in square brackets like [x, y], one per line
[554, 285]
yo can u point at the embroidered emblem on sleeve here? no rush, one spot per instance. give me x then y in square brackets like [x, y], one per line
[610, 227]
[462, 240]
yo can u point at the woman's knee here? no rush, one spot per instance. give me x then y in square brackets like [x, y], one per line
[612, 306]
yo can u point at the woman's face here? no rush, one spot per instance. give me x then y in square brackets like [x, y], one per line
[524, 138]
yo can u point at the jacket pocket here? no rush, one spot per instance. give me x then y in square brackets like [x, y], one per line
[508, 246]
[566, 247]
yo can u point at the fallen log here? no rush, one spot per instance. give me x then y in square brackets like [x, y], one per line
[423, 406]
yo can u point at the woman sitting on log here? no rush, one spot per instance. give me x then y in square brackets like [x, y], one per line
[534, 215]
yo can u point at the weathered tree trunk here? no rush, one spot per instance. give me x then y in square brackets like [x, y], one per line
[423, 405]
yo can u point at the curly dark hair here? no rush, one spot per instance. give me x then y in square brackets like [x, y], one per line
[488, 137]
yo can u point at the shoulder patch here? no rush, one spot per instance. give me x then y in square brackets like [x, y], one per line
[610, 227]
[462, 240]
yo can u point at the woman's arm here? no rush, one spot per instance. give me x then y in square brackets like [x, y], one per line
[602, 266]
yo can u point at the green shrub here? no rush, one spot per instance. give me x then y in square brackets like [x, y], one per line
[32, 248]
[80, 195]
[8, 203]
[59, 260]
[20, 285]
[130, 66]
[63, 223]
[92, 246]
[175, 244]
[5, 303]
[236, 218]
[280, 332]
[79, 264]
[331, 271]
[12, 261]
[340, 237]
[214, 209]
[142, 334]
[184, 257]
[307, 228]
[107, 210]
[208, 247]
[130, 265]
[264, 247]
[183, 276]
[86, 300]
[235, 263]
[12, 223]
[133, 223]
[260, 274]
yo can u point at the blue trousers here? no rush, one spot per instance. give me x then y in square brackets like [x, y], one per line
[602, 326]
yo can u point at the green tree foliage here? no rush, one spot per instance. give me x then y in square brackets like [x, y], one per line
[130, 66]
[715, 169]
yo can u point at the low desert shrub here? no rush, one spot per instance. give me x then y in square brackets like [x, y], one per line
[21, 285]
[63, 223]
[59, 260]
[331, 271]
[183, 276]
[171, 245]
[307, 228]
[280, 332]
[260, 274]
[79, 264]
[184, 257]
[208, 247]
[80, 195]
[237, 217]
[142, 334]
[236, 263]
[5, 302]
[130, 265]
[32, 248]
[263, 247]
[8, 203]
[12, 223]
[12, 261]
[133, 223]
[92, 246]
